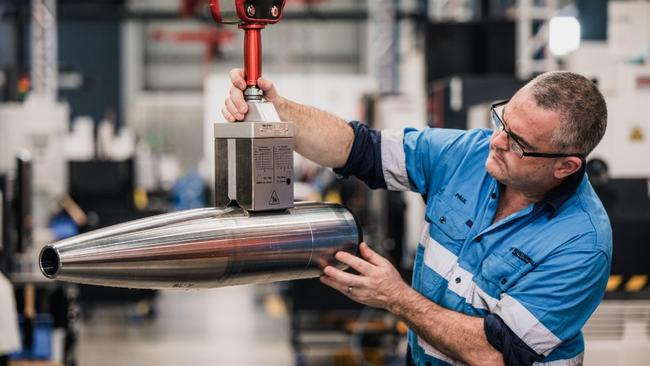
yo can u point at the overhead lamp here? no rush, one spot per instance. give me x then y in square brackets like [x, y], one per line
[564, 35]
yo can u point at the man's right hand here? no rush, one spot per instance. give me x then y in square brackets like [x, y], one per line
[235, 107]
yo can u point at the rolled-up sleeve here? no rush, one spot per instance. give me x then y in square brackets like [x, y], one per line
[514, 350]
[364, 161]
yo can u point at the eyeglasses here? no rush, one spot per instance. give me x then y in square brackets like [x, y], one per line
[496, 111]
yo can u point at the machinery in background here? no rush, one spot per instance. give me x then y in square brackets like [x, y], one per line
[4, 224]
[38, 124]
[478, 67]
[37, 127]
[480, 48]
[15, 213]
[8, 223]
[104, 191]
[16, 223]
[451, 99]
[24, 182]
[621, 68]
[48, 311]
[627, 201]
[35, 132]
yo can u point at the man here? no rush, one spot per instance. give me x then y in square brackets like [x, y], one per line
[516, 250]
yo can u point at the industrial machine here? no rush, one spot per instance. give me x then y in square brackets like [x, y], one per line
[254, 235]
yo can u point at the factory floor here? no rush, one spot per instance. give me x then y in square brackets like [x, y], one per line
[227, 326]
[248, 325]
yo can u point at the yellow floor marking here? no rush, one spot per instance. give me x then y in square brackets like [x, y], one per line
[613, 283]
[636, 283]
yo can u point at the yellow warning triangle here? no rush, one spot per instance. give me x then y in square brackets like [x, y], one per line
[636, 134]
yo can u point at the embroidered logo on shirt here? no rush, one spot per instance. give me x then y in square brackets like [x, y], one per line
[521, 256]
[460, 198]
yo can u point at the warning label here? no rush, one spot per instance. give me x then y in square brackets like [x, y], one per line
[263, 156]
[274, 200]
[283, 159]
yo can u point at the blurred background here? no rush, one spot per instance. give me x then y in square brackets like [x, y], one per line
[106, 114]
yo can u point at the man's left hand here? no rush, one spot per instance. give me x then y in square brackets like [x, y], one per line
[378, 283]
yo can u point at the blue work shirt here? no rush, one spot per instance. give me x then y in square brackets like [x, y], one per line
[536, 276]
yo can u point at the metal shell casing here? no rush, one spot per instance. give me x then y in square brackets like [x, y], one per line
[254, 161]
[207, 248]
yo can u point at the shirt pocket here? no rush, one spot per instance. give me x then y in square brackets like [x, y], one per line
[501, 270]
[447, 221]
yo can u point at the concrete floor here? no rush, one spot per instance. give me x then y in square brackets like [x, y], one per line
[232, 326]
[224, 326]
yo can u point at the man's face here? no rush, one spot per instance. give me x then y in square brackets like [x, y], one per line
[533, 126]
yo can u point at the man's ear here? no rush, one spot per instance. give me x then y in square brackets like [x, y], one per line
[568, 166]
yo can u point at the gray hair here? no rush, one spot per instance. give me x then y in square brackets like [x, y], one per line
[580, 104]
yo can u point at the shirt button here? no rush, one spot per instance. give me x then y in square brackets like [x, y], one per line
[478, 239]
[443, 219]
[457, 280]
[503, 281]
[493, 195]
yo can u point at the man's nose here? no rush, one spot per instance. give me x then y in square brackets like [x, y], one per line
[500, 140]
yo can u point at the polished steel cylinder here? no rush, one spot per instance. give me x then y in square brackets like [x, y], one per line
[207, 248]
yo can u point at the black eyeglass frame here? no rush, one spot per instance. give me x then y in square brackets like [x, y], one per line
[496, 118]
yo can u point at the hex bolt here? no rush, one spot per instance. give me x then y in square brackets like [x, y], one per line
[275, 11]
[250, 10]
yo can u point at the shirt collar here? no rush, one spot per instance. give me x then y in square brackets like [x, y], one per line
[560, 194]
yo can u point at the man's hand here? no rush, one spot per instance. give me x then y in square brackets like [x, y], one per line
[378, 283]
[319, 136]
[235, 107]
